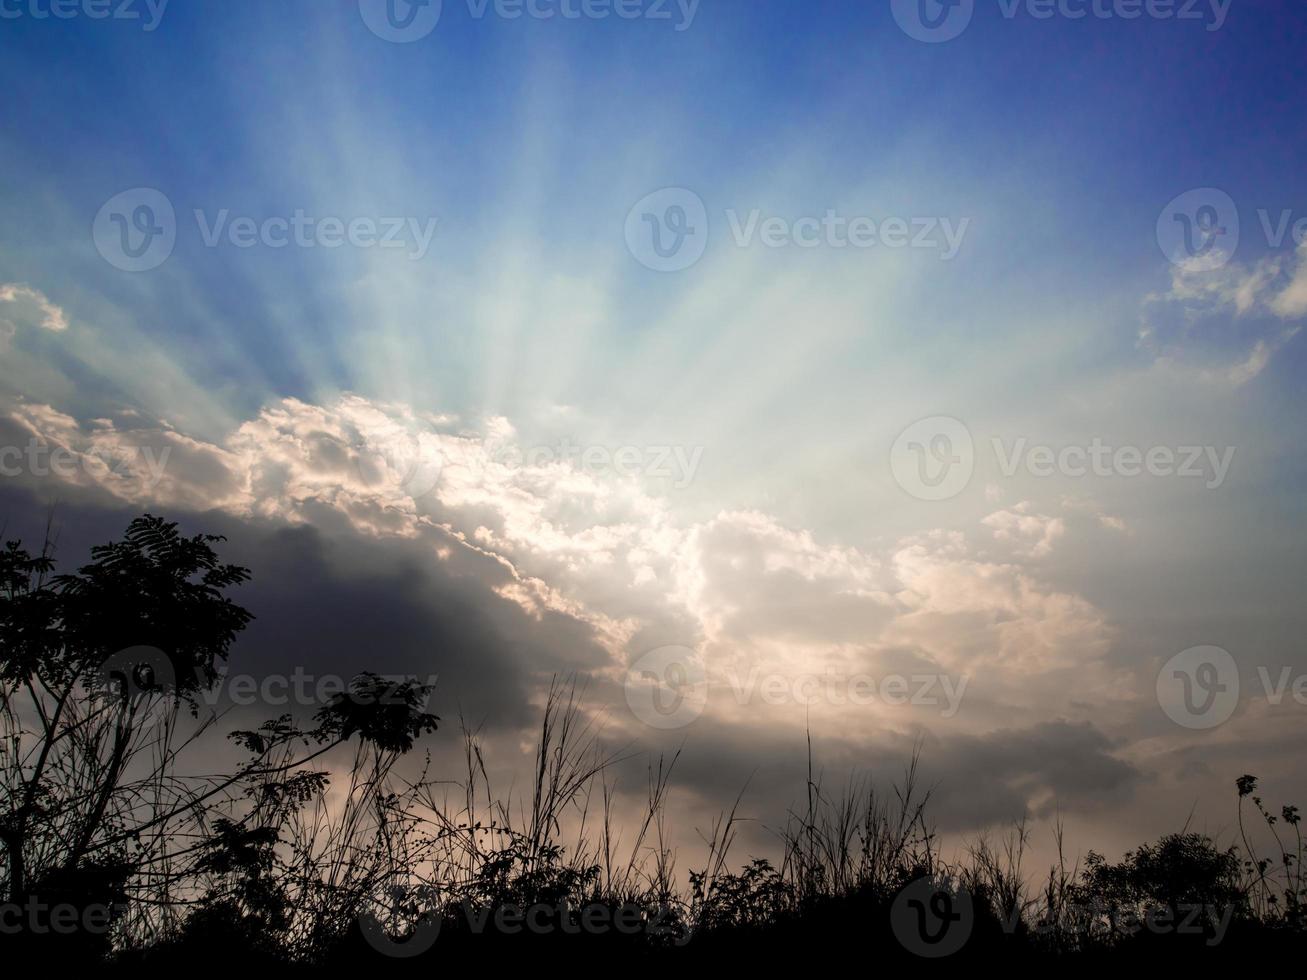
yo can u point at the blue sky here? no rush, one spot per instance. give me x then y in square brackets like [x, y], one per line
[1060, 142]
[1067, 137]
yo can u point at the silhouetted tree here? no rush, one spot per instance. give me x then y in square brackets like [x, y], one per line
[96, 670]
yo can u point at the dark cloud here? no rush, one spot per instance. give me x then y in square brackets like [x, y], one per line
[334, 602]
[975, 782]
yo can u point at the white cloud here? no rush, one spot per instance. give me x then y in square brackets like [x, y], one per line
[746, 590]
[1291, 302]
[1092, 508]
[51, 316]
[1264, 298]
[1035, 534]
